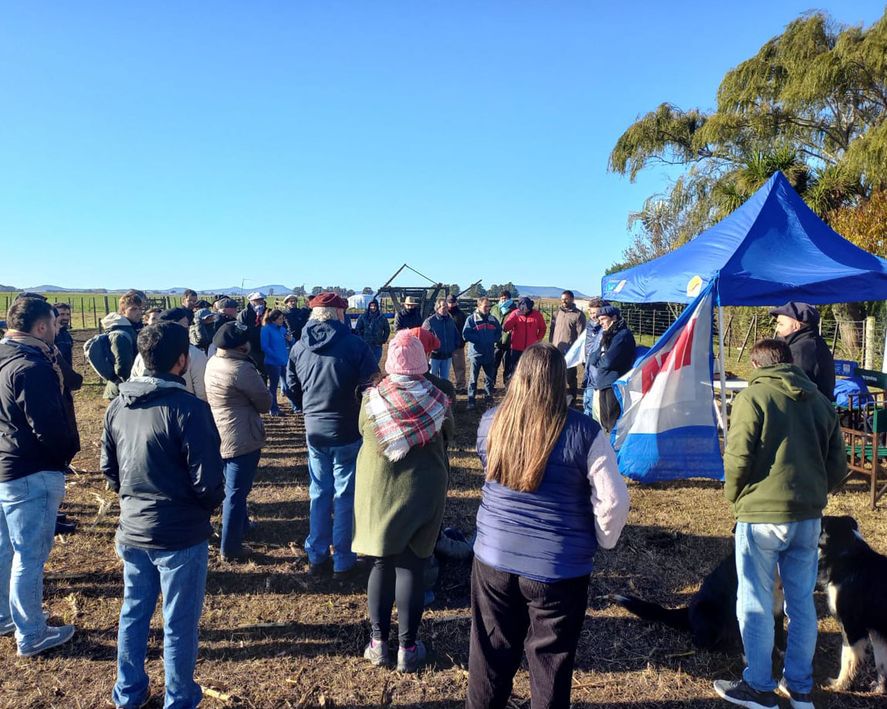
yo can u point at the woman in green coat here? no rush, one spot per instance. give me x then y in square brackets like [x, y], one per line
[399, 495]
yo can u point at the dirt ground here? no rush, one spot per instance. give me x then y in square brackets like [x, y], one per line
[272, 637]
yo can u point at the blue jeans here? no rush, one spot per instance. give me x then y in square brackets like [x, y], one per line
[331, 469]
[440, 367]
[239, 475]
[277, 378]
[181, 576]
[28, 508]
[489, 377]
[760, 548]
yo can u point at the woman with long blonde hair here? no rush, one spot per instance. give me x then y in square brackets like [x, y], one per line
[552, 495]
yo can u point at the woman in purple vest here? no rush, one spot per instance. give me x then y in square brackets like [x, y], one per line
[552, 495]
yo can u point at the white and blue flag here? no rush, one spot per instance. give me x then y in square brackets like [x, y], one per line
[668, 427]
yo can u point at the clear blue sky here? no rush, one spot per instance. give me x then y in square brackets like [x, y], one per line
[154, 145]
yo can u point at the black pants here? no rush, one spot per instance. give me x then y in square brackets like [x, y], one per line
[511, 360]
[510, 614]
[572, 382]
[399, 578]
[609, 409]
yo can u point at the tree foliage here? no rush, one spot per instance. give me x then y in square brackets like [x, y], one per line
[812, 102]
[864, 224]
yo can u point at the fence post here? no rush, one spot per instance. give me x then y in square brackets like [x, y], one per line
[869, 342]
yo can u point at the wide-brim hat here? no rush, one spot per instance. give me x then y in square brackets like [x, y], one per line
[412, 300]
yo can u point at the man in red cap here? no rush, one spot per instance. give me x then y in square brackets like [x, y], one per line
[327, 369]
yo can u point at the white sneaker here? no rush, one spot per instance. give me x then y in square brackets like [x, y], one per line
[798, 700]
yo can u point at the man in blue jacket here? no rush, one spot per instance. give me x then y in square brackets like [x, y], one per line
[373, 327]
[444, 328]
[37, 442]
[613, 357]
[327, 370]
[593, 332]
[160, 453]
[482, 333]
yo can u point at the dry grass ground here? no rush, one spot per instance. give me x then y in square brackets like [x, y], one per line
[270, 637]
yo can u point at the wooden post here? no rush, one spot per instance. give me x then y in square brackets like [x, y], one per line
[869, 343]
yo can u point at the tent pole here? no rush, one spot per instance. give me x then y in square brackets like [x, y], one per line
[722, 368]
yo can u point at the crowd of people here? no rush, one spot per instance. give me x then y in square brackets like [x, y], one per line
[183, 434]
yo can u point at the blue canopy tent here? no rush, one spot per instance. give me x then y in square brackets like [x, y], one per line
[769, 251]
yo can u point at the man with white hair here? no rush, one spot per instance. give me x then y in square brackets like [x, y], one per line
[327, 369]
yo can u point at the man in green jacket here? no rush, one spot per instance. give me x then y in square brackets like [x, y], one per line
[784, 454]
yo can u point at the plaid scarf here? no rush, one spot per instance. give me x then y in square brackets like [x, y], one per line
[405, 411]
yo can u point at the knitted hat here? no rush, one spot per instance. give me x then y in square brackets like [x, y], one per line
[609, 311]
[232, 334]
[328, 300]
[406, 355]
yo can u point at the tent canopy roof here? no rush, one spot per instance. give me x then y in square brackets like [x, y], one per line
[769, 251]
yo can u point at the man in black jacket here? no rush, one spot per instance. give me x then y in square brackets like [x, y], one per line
[160, 452]
[797, 324]
[410, 315]
[37, 442]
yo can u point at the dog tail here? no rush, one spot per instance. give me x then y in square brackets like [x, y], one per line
[678, 618]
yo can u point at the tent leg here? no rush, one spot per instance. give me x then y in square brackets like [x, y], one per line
[722, 368]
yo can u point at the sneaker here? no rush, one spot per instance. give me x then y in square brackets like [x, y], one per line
[376, 652]
[470, 406]
[52, 637]
[798, 700]
[410, 659]
[743, 695]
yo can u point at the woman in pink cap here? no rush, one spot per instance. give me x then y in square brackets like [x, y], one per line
[401, 487]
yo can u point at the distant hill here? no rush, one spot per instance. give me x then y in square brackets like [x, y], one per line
[47, 289]
[546, 291]
[277, 289]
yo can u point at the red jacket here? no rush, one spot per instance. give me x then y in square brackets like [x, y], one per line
[525, 330]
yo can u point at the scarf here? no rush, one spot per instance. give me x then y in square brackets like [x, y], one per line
[48, 351]
[405, 411]
[505, 306]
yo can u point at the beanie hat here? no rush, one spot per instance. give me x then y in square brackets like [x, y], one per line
[406, 355]
[527, 302]
[230, 335]
[328, 300]
[610, 311]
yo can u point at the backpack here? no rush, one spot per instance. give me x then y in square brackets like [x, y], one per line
[97, 350]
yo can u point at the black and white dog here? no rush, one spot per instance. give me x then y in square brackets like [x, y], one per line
[710, 617]
[855, 578]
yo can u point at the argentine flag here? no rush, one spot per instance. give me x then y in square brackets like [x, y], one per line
[668, 428]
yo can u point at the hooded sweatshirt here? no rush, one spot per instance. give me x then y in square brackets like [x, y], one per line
[811, 355]
[327, 369]
[160, 452]
[373, 327]
[784, 451]
[122, 338]
[36, 433]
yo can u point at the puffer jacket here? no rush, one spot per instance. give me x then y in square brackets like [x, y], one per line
[36, 432]
[525, 330]
[237, 396]
[444, 328]
[160, 453]
[406, 318]
[122, 337]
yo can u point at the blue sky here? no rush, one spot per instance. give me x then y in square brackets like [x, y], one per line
[199, 144]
